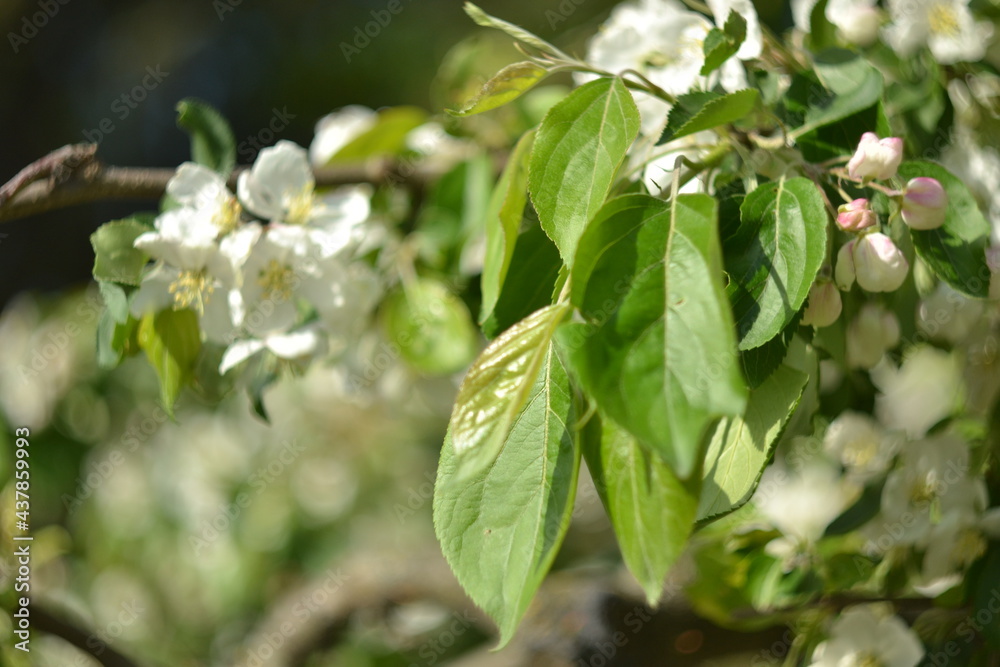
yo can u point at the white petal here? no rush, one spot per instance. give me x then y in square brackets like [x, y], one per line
[336, 130]
[280, 173]
[198, 186]
[295, 344]
[238, 352]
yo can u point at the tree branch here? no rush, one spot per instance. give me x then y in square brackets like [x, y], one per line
[72, 175]
[104, 654]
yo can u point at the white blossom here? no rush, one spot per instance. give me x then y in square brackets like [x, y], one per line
[925, 389]
[861, 445]
[873, 332]
[869, 636]
[337, 129]
[946, 26]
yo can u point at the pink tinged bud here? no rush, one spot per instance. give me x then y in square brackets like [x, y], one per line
[855, 216]
[844, 273]
[824, 305]
[876, 158]
[925, 203]
[878, 264]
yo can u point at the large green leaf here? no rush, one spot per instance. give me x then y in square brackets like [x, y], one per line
[497, 388]
[742, 446]
[699, 111]
[431, 327]
[531, 282]
[580, 145]
[212, 140]
[774, 256]
[503, 220]
[116, 259]
[848, 84]
[506, 85]
[171, 340]
[501, 528]
[651, 511]
[955, 251]
[658, 351]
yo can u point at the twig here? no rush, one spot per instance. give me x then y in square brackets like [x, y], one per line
[71, 176]
[104, 654]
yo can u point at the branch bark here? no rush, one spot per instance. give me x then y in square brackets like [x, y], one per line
[71, 175]
[47, 622]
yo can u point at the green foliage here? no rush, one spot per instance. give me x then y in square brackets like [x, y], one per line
[845, 84]
[501, 527]
[578, 149]
[171, 340]
[774, 256]
[212, 141]
[955, 251]
[116, 259]
[721, 45]
[387, 137]
[657, 353]
[699, 111]
[508, 84]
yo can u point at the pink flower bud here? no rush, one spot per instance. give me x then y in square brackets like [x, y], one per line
[875, 261]
[925, 203]
[824, 305]
[855, 216]
[876, 158]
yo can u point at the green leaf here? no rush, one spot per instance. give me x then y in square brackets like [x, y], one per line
[498, 387]
[115, 299]
[501, 528]
[652, 512]
[822, 33]
[517, 32]
[212, 141]
[849, 85]
[774, 256]
[759, 362]
[742, 446]
[580, 145]
[658, 351]
[985, 595]
[431, 327]
[503, 220]
[531, 281]
[113, 339]
[386, 137]
[116, 259]
[721, 45]
[506, 85]
[699, 111]
[955, 251]
[861, 512]
[171, 340]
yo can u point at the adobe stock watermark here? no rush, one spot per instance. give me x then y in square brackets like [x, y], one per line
[124, 104]
[249, 147]
[562, 13]
[227, 513]
[54, 343]
[434, 649]
[99, 641]
[381, 18]
[31, 25]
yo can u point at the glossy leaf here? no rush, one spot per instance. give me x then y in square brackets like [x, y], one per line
[212, 140]
[699, 111]
[652, 512]
[721, 45]
[741, 447]
[578, 148]
[116, 259]
[431, 327]
[500, 529]
[497, 388]
[955, 251]
[506, 85]
[171, 340]
[849, 85]
[503, 221]
[774, 256]
[658, 351]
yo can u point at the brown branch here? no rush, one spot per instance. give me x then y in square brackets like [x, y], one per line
[47, 622]
[71, 175]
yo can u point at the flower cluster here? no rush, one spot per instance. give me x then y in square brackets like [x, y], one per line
[275, 266]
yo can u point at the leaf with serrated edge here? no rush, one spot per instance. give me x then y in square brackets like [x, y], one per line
[506, 85]
[517, 32]
[503, 220]
[578, 149]
[955, 251]
[774, 257]
[658, 354]
[652, 512]
[496, 388]
[741, 447]
[713, 113]
[501, 528]
[856, 85]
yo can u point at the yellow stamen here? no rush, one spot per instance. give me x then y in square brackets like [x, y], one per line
[943, 20]
[300, 206]
[969, 546]
[228, 218]
[277, 280]
[192, 288]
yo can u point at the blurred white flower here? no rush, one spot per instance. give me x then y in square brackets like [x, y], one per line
[824, 305]
[925, 389]
[869, 635]
[955, 543]
[873, 332]
[658, 173]
[946, 26]
[978, 166]
[861, 445]
[439, 150]
[948, 315]
[205, 198]
[337, 129]
[754, 42]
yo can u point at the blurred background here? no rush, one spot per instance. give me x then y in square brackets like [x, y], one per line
[216, 538]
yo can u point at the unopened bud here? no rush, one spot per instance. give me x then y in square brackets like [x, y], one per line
[875, 261]
[876, 158]
[925, 203]
[855, 216]
[824, 305]
[871, 334]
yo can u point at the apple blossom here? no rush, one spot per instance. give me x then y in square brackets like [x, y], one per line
[872, 333]
[874, 261]
[946, 26]
[861, 445]
[925, 203]
[866, 635]
[876, 158]
[855, 216]
[926, 388]
[824, 305]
